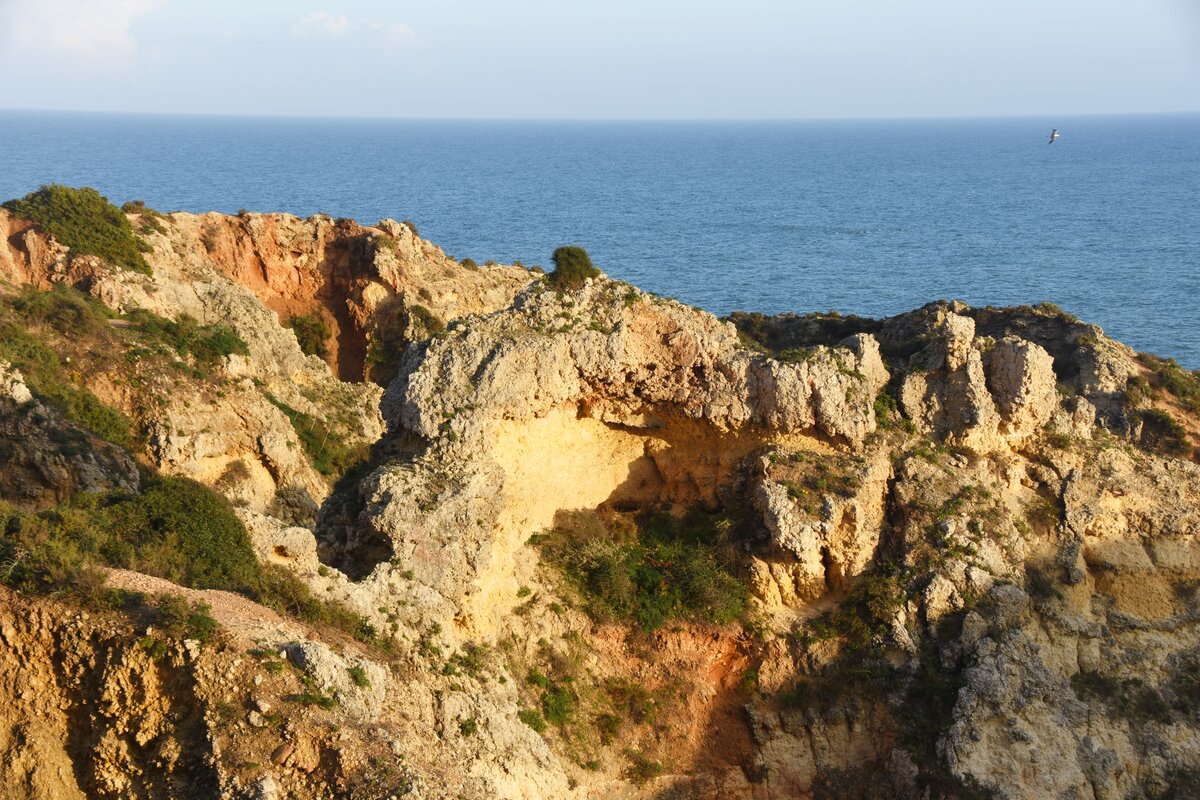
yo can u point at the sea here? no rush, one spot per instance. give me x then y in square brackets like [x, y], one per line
[867, 217]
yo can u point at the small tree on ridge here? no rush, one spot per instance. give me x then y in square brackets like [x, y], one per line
[572, 267]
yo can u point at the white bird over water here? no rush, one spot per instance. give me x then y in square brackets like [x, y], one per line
[1053, 136]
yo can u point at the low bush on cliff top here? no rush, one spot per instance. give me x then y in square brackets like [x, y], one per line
[572, 267]
[83, 220]
[1168, 375]
[661, 570]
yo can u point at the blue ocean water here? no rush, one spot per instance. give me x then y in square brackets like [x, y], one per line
[869, 217]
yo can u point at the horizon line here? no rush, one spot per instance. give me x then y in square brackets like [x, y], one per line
[381, 118]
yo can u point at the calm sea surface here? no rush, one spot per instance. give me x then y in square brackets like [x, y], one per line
[866, 217]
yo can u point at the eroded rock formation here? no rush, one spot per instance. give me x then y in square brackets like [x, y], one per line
[968, 536]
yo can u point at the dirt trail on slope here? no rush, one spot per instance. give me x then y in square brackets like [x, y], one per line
[246, 621]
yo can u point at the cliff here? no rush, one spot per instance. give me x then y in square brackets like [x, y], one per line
[586, 542]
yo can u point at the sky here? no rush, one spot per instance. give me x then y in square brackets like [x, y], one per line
[618, 59]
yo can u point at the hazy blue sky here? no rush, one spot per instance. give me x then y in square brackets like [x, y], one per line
[618, 58]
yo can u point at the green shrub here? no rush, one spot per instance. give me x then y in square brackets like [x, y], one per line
[864, 619]
[150, 221]
[665, 569]
[326, 447]
[1163, 433]
[558, 705]
[312, 697]
[175, 529]
[359, 676]
[469, 263]
[180, 619]
[63, 308]
[207, 344]
[312, 333]
[572, 267]
[424, 322]
[1167, 374]
[280, 589]
[470, 659]
[468, 727]
[155, 647]
[183, 531]
[642, 769]
[533, 719]
[83, 220]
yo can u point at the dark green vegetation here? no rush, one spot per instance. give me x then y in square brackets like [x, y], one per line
[149, 220]
[312, 694]
[83, 220]
[572, 267]
[312, 333]
[1167, 382]
[179, 619]
[557, 699]
[533, 719]
[325, 445]
[359, 676]
[642, 768]
[649, 571]
[174, 528]
[787, 333]
[863, 619]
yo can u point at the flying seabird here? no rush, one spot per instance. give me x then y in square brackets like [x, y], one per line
[1053, 136]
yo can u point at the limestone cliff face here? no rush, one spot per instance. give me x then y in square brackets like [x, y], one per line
[606, 397]
[570, 401]
[254, 272]
[362, 281]
[972, 569]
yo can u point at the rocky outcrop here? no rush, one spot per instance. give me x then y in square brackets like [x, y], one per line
[978, 399]
[570, 401]
[88, 715]
[362, 282]
[44, 459]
